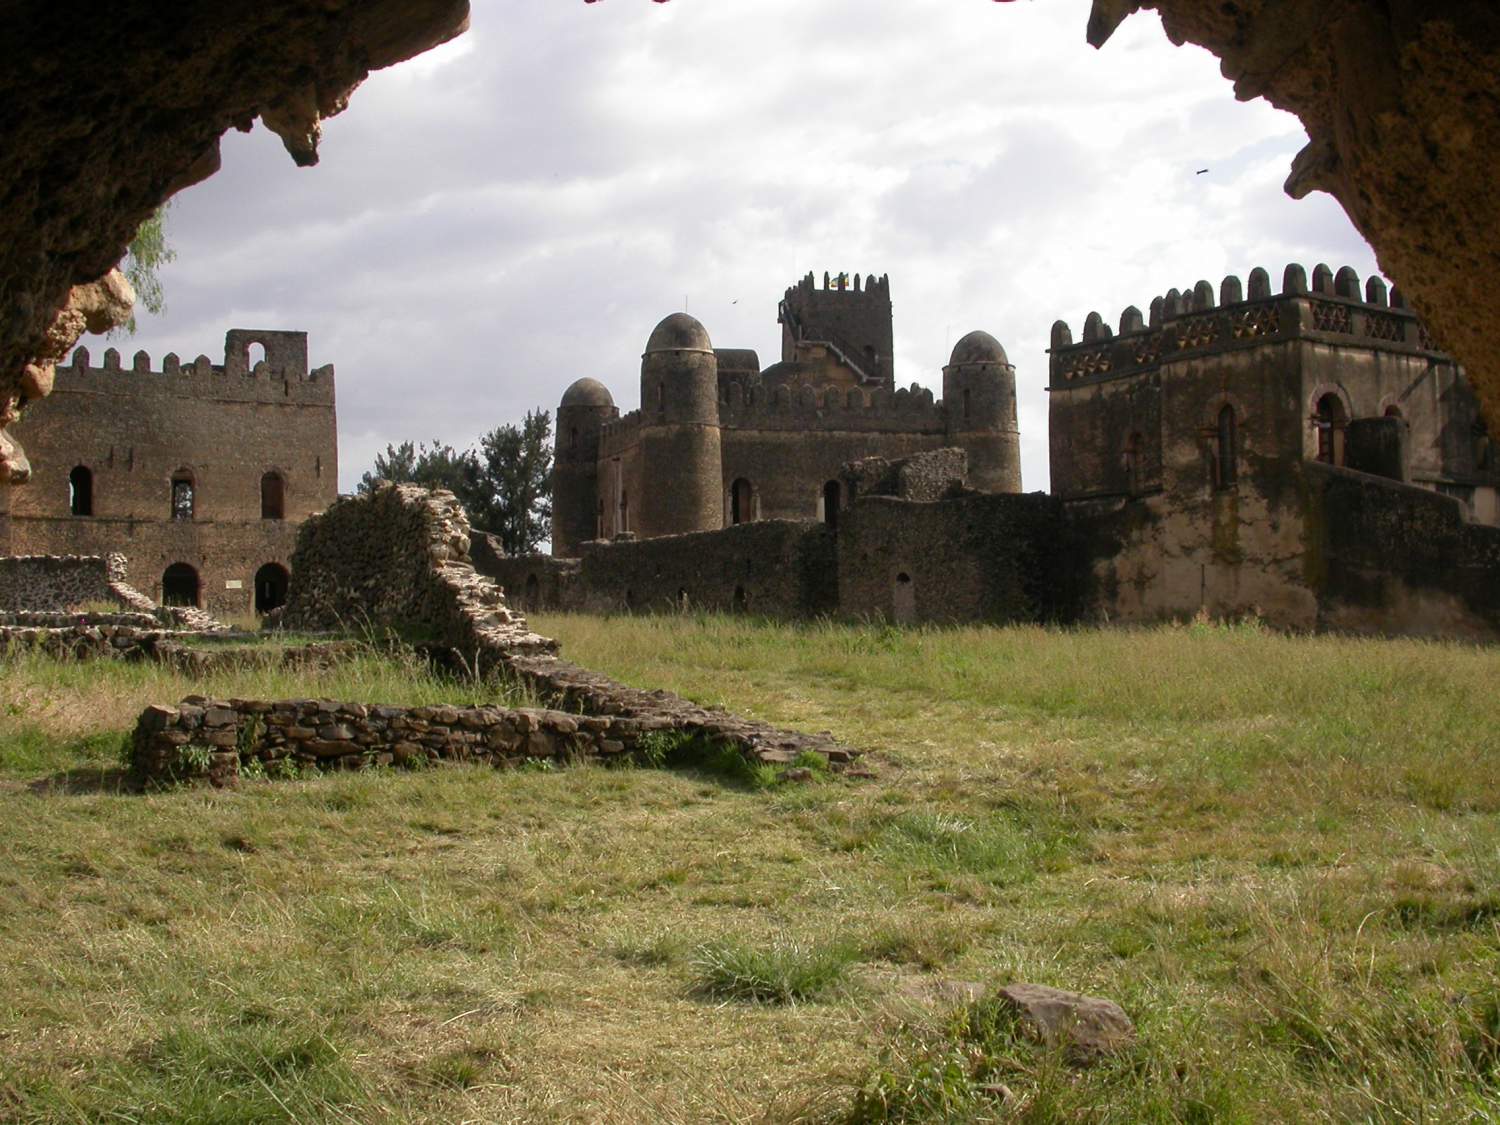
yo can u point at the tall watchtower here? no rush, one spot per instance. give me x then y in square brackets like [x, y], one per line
[844, 324]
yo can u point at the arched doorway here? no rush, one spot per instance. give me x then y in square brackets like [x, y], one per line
[831, 496]
[533, 593]
[1329, 419]
[272, 496]
[741, 501]
[903, 599]
[179, 585]
[270, 587]
[81, 491]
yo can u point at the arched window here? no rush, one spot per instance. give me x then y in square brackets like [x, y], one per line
[1226, 453]
[661, 397]
[270, 587]
[1130, 458]
[183, 495]
[573, 439]
[254, 353]
[81, 491]
[179, 585]
[966, 402]
[831, 503]
[741, 501]
[1328, 421]
[272, 497]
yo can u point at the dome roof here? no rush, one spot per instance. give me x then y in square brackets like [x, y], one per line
[978, 347]
[679, 332]
[587, 392]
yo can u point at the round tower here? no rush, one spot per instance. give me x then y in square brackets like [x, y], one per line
[681, 463]
[979, 398]
[584, 409]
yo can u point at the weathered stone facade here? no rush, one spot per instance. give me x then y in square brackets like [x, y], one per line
[203, 468]
[719, 442]
[1307, 455]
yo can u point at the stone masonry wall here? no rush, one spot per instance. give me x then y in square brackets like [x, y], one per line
[54, 583]
[399, 557]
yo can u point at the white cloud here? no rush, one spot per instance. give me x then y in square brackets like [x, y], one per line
[520, 207]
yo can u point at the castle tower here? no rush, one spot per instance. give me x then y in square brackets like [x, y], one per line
[845, 324]
[681, 459]
[979, 398]
[584, 409]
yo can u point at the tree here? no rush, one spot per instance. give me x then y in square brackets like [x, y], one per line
[505, 485]
[516, 465]
[148, 252]
[435, 466]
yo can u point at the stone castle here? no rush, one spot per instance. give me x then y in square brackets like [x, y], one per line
[1309, 455]
[198, 473]
[719, 442]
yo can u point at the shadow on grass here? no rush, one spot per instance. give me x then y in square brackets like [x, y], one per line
[85, 781]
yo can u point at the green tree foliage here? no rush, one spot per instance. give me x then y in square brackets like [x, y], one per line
[148, 252]
[505, 484]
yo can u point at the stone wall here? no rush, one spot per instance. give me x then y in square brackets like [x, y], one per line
[54, 583]
[1383, 557]
[779, 568]
[975, 557]
[222, 740]
[399, 558]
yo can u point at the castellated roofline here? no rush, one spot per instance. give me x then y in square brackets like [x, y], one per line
[1332, 308]
[283, 374]
[865, 284]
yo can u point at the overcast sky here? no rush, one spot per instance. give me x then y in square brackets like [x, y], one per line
[518, 208]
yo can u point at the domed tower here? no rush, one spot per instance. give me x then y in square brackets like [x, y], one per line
[584, 409]
[681, 462]
[979, 397]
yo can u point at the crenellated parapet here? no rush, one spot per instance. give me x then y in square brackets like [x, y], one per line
[751, 405]
[282, 376]
[1331, 308]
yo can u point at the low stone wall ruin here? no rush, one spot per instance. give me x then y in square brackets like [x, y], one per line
[70, 584]
[221, 741]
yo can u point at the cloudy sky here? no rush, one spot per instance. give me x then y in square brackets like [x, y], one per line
[518, 208]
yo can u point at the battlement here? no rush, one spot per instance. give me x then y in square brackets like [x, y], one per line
[750, 405]
[281, 376]
[870, 287]
[1333, 309]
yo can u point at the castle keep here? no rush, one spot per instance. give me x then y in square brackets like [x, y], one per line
[198, 473]
[1309, 455]
[718, 442]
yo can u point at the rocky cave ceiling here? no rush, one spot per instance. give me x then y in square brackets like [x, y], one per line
[105, 118]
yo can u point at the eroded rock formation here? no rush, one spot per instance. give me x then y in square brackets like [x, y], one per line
[1401, 99]
[105, 118]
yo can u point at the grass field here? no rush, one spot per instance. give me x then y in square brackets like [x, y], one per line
[1281, 855]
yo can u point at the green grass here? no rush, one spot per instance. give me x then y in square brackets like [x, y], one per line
[1281, 855]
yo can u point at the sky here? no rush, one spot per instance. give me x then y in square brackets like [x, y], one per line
[518, 208]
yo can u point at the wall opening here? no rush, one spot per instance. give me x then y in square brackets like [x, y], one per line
[179, 585]
[533, 594]
[81, 491]
[270, 587]
[1329, 420]
[624, 511]
[741, 600]
[831, 504]
[741, 502]
[1132, 462]
[966, 402]
[272, 496]
[254, 353]
[682, 599]
[599, 522]
[183, 495]
[903, 599]
[1226, 460]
